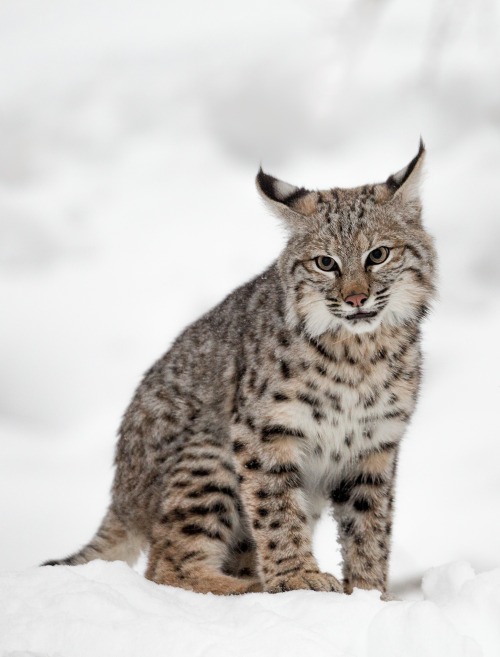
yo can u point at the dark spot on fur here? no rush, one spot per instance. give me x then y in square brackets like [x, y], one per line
[285, 369]
[307, 399]
[223, 490]
[253, 464]
[283, 339]
[363, 504]
[318, 416]
[368, 479]
[318, 451]
[347, 527]
[322, 350]
[284, 468]
[342, 493]
[217, 508]
[195, 530]
[272, 431]
[250, 423]
[263, 388]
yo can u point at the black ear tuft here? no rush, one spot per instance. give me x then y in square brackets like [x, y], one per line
[266, 183]
[277, 190]
[398, 179]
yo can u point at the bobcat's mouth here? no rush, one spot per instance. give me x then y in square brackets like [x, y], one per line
[361, 315]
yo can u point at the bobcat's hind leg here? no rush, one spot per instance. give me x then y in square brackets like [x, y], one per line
[191, 569]
[199, 523]
[195, 561]
[242, 561]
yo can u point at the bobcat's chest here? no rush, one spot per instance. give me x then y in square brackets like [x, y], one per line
[345, 408]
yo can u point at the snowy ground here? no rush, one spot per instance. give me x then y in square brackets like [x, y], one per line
[109, 610]
[130, 135]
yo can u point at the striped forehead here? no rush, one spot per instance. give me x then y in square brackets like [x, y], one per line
[348, 208]
[348, 217]
[347, 244]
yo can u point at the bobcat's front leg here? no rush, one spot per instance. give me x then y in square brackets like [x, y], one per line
[274, 503]
[362, 503]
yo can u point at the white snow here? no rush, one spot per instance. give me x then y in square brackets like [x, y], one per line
[108, 609]
[130, 134]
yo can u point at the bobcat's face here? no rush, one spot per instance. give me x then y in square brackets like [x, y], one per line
[356, 258]
[357, 274]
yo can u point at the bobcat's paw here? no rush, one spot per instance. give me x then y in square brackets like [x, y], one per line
[312, 580]
[389, 597]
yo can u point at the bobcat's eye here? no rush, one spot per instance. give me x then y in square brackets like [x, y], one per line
[325, 263]
[377, 256]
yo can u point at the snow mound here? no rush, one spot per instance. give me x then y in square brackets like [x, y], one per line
[108, 609]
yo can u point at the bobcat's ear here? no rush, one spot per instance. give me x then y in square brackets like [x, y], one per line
[405, 184]
[293, 204]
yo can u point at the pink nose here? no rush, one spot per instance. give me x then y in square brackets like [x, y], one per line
[356, 300]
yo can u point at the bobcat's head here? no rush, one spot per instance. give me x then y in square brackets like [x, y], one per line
[356, 258]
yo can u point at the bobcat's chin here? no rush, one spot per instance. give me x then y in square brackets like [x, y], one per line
[360, 324]
[320, 320]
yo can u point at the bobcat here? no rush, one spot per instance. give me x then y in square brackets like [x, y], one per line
[292, 393]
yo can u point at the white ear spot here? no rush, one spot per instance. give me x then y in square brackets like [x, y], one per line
[409, 191]
[405, 184]
[283, 190]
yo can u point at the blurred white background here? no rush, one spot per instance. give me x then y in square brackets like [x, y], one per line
[130, 135]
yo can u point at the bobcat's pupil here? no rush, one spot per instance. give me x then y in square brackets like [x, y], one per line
[378, 256]
[326, 263]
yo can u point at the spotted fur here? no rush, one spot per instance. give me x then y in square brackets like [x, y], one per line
[278, 402]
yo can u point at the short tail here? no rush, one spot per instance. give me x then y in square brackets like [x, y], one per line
[112, 542]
